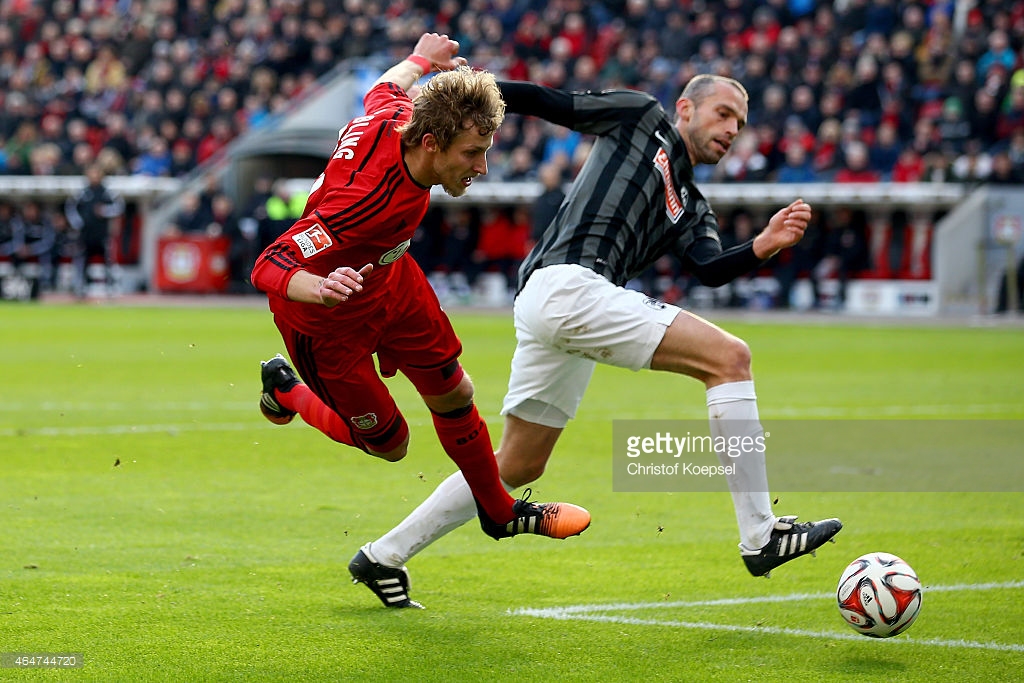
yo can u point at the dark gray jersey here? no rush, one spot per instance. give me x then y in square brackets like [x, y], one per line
[634, 199]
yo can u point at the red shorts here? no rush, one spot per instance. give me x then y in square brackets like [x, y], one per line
[411, 335]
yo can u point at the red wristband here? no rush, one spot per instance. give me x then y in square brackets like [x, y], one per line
[422, 62]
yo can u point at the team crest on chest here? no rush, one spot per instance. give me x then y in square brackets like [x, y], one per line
[313, 240]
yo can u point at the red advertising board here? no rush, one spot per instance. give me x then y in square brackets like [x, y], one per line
[192, 263]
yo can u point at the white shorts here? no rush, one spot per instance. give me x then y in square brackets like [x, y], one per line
[568, 318]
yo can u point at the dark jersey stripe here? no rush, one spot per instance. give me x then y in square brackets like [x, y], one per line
[373, 203]
[614, 219]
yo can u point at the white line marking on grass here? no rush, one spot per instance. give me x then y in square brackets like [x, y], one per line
[593, 613]
[121, 406]
[853, 412]
[116, 430]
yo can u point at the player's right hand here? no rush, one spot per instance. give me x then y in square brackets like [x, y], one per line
[440, 50]
[343, 283]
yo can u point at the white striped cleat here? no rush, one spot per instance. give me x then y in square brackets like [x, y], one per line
[390, 584]
[790, 540]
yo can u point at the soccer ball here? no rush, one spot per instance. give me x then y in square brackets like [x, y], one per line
[879, 595]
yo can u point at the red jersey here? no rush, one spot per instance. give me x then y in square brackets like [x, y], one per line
[364, 208]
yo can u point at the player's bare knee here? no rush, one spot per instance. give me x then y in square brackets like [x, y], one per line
[462, 395]
[735, 360]
[393, 455]
[459, 397]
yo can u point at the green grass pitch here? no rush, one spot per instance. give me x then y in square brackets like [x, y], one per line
[153, 521]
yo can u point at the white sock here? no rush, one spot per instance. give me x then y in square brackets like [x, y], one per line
[732, 411]
[450, 506]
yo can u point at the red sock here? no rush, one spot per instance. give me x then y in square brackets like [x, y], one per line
[316, 414]
[465, 439]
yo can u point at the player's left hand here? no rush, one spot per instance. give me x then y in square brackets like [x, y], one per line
[785, 229]
[342, 283]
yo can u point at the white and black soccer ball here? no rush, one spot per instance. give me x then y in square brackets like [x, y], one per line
[879, 595]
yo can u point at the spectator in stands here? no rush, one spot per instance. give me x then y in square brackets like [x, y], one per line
[804, 105]
[864, 96]
[35, 237]
[282, 208]
[844, 249]
[461, 230]
[999, 53]
[973, 166]
[953, 128]
[983, 117]
[855, 168]
[45, 160]
[743, 163]
[19, 146]
[1003, 170]
[800, 261]
[937, 168]
[545, 206]
[909, 167]
[521, 166]
[885, 151]
[91, 213]
[773, 109]
[827, 155]
[222, 218]
[1011, 114]
[9, 242]
[1015, 148]
[501, 244]
[220, 134]
[797, 168]
[156, 161]
[191, 217]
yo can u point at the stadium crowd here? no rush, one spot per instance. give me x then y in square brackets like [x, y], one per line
[843, 91]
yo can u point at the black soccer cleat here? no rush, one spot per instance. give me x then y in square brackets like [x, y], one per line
[277, 375]
[390, 584]
[790, 540]
[555, 520]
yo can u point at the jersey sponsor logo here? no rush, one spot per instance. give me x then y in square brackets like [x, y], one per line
[394, 254]
[673, 203]
[368, 421]
[313, 240]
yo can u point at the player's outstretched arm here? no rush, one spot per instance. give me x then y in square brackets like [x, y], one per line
[784, 229]
[433, 52]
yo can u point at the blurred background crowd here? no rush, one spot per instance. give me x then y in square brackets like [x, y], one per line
[843, 91]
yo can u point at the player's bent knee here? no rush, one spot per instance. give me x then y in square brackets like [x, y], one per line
[459, 397]
[393, 455]
[736, 359]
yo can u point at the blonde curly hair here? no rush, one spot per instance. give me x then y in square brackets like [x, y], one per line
[454, 101]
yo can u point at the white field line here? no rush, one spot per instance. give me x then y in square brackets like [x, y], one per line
[119, 430]
[598, 613]
[201, 407]
[767, 411]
